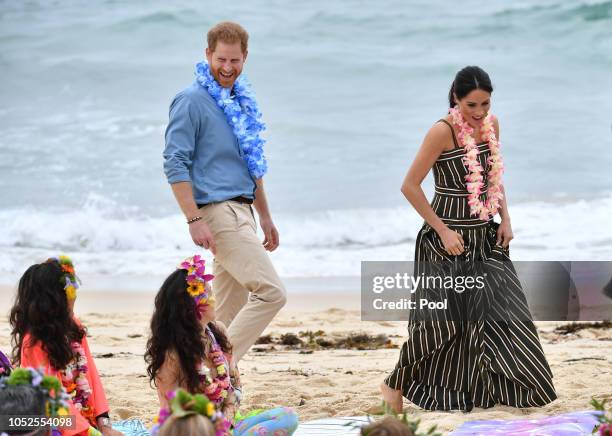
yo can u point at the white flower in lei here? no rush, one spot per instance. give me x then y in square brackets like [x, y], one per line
[243, 115]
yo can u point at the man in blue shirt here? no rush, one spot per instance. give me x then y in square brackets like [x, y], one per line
[213, 185]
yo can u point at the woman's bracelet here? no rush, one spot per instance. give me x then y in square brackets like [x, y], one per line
[194, 219]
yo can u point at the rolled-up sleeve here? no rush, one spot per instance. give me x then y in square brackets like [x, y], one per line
[180, 139]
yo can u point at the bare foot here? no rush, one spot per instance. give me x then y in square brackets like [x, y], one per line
[392, 397]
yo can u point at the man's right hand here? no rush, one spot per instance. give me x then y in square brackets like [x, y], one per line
[202, 236]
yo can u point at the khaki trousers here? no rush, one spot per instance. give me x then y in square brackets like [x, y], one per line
[247, 288]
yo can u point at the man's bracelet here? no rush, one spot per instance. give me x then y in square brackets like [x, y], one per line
[194, 219]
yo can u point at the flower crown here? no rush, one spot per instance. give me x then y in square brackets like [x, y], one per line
[181, 404]
[196, 277]
[69, 278]
[56, 399]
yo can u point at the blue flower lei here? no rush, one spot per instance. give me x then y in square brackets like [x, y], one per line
[242, 114]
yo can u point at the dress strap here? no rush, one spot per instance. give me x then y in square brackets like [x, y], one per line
[452, 132]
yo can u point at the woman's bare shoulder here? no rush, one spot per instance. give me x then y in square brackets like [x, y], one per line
[439, 137]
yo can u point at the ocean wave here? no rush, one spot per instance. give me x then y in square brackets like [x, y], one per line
[594, 12]
[165, 18]
[108, 238]
[561, 11]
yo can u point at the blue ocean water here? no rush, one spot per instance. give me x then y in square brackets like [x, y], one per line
[348, 90]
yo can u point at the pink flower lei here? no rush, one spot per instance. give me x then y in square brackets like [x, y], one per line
[74, 379]
[475, 180]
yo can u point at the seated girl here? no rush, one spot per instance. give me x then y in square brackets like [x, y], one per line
[47, 334]
[187, 349]
[27, 391]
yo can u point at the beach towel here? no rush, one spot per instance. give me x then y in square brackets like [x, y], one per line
[567, 424]
[339, 426]
[131, 427]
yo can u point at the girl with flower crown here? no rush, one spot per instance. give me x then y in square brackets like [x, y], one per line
[188, 349]
[485, 349]
[46, 334]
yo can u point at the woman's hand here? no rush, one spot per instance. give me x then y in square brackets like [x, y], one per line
[504, 233]
[453, 241]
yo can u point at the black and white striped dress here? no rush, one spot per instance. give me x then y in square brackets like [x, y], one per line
[459, 364]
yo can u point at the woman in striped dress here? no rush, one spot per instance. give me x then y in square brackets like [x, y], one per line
[493, 355]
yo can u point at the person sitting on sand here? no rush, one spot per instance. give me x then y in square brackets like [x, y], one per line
[28, 392]
[188, 349]
[22, 400]
[47, 335]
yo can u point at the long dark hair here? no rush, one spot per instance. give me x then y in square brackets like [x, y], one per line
[467, 80]
[175, 327]
[41, 309]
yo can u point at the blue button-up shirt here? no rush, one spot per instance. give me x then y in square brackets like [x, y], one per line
[201, 148]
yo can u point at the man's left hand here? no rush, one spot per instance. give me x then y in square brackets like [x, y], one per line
[271, 239]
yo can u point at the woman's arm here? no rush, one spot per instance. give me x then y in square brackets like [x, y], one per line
[504, 232]
[430, 150]
[503, 206]
[503, 209]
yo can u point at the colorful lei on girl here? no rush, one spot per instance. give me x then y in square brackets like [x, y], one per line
[243, 115]
[475, 180]
[181, 403]
[217, 389]
[74, 379]
[69, 278]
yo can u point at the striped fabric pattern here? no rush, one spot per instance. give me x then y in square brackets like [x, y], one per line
[459, 364]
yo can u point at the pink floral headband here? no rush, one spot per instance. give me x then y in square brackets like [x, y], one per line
[196, 278]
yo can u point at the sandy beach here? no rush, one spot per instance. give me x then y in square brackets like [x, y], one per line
[320, 375]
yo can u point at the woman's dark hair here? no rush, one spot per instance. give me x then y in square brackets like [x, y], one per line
[467, 80]
[175, 327]
[41, 309]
